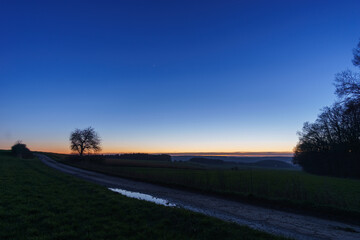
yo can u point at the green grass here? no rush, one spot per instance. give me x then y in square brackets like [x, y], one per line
[334, 197]
[37, 202]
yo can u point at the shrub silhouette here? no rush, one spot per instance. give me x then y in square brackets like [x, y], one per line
[20, 150]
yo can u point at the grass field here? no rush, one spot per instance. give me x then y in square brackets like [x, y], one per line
[330, 196]
[37, 202]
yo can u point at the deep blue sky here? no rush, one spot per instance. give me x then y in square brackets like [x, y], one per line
[170, 76]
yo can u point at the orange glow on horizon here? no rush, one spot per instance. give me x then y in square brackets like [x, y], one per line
[202, 150]
[258, 153]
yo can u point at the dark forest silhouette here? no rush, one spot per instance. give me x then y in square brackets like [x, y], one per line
[331, 145]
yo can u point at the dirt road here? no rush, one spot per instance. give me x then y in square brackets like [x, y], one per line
[269, 220]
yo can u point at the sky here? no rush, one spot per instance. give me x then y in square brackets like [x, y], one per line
[170, 76]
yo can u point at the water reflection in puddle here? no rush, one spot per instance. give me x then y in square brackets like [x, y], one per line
[142, 196]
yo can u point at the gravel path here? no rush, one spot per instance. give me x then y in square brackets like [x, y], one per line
[269, 220]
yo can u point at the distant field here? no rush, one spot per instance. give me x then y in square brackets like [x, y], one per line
[37, 202]
[294, 189]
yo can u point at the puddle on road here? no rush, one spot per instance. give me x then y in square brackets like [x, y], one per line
[142, 196]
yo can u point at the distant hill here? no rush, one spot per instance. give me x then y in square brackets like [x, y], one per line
[271, 164]
[235, 159]
[206, 160]
[261, 162]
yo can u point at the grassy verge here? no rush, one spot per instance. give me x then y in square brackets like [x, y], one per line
[329, 197]
[37, 202]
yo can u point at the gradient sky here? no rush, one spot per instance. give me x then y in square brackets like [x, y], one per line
[170, 76]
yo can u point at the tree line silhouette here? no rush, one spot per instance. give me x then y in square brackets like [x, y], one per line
[140, 156]
[331, 145]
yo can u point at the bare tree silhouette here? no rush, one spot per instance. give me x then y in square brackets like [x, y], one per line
[85, 140]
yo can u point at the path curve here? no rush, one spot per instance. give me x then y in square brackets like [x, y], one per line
[269, 220]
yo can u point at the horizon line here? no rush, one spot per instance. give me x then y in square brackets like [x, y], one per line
[223, 154]
[220, 154]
